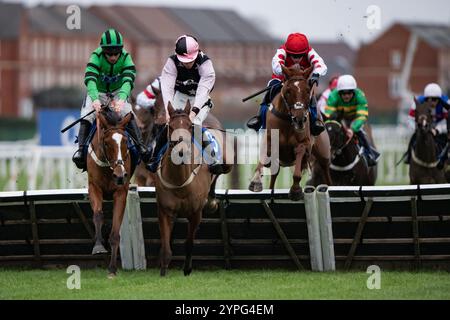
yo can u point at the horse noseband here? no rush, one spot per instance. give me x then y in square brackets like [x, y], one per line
[298, 106]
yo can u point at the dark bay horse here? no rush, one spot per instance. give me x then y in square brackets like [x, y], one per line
[182, 185]
[424, 155]
[289, 115]
[109, 171]
[348, 166]
[149, 120]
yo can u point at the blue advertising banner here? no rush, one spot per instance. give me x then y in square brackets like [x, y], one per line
[50, 123]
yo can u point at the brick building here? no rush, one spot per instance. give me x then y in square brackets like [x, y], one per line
[404, 58]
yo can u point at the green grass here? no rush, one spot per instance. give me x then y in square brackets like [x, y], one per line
[213, 284]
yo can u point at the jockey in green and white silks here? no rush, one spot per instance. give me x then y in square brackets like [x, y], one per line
[110, 73]
[348, 102]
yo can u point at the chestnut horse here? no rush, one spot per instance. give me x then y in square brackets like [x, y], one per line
[348, 166]
[182, 184]
[289, 114]
[424, 154]
[109, 171]
[149, 120]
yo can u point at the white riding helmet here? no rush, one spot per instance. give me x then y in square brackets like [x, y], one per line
[346, 82]
[432, 90]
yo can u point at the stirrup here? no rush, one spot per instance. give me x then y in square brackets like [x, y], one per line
[254, 123]
[317, 128]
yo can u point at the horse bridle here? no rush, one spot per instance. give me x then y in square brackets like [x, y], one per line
[102, 148]
[340, 149]
[296, 106]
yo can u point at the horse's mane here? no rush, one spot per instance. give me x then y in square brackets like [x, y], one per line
[112, 117]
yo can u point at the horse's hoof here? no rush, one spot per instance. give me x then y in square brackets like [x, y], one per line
[111, 275]
[187, 271]
[255, 186]
[211, 206]
[99, 249]
[296, 195]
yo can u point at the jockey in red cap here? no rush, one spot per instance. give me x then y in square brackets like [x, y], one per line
[296, 50]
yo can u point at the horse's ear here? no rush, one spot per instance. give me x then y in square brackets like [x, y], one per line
[307, 72]
[286, 71]
[103, 122]
[187, 108]
[125, 120]
[170, 109]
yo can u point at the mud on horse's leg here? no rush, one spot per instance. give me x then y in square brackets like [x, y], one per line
[296, 193]
[119, 203]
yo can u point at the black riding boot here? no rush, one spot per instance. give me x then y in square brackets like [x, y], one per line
[161, 141]
[255, 122]
[79, 157]
[136, 134]
[214, 164]
[316, 125]
[372, 155]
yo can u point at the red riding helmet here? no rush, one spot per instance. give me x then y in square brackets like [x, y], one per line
[297, 43]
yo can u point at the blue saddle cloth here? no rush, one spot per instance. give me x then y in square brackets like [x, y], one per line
[217, 151]
[134, 153]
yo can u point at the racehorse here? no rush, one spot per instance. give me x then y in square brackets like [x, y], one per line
[109, 171]
[289, 114]
[182, 184]
[149, 120]
[348, 166]
[424, 154]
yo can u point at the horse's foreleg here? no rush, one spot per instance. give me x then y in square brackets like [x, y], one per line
[193, 224]
[212, 203]
[119, 203]
[165, 230]
[296, 193]
[256, 182]
[96, 199]
[273, 178]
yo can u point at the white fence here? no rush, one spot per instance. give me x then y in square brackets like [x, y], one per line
[25, 166]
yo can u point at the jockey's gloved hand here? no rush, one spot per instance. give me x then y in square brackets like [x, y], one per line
[192, 116]
[435, 132]
[118, 105]
[97, 105]
[313, 79]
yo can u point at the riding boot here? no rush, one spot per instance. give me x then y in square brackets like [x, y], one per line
[316, 125]
[136, 134]
[214, 164]
[79, 158]
[372, 156]
[255, 122]
[161, 141]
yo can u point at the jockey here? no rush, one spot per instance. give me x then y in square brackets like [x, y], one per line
[322, 103]
[187, 75]
[110, 71]
[146, 99]
[348, 102]
[296, 50]
[440, 104]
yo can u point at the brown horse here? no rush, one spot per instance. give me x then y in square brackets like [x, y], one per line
[149, 120]
[348, 166]
[424, 155]
[109, 169]
[289, 114]
[182, 185]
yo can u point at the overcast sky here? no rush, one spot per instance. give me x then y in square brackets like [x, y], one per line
[318, 19]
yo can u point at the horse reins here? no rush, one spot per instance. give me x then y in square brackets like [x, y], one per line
[194, 172]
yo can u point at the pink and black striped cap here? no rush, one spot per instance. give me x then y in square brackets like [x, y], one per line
[186, 48]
